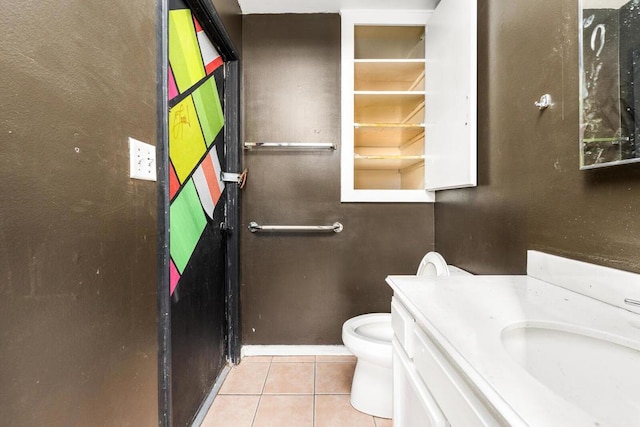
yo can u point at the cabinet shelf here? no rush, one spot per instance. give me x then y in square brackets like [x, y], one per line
[388, 107]
[384, 162]
[392, 74]
[389, 41]
[394, 94]
[386, 134]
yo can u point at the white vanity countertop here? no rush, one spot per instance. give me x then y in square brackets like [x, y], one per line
[467, 314]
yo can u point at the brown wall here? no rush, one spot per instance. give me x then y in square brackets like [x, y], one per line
[77, 236]
[531, 194]
[230, 14]
[299, 289]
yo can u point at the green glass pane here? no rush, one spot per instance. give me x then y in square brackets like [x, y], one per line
[186, 222]
[209, 110]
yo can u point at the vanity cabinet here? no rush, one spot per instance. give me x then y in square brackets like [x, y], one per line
[413, 403]
[429, 390]
[408, 102]
[544, 349]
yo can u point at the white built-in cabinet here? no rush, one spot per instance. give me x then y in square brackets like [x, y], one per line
[429, 390]
[408, 102]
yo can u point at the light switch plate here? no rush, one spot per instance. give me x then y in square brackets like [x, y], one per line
[142, 160]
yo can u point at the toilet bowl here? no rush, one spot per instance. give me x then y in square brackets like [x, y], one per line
[368, 337]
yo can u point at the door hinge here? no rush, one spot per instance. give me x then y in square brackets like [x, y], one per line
[237, 178]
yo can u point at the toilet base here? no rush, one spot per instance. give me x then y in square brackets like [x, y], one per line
[372, 389]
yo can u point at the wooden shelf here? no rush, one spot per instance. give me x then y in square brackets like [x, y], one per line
[398, 75]
[386, 162]
[392, 95]
[382, 42]
[386, 134]
[388, 106]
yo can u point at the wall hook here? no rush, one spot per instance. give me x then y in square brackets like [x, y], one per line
[545, 102]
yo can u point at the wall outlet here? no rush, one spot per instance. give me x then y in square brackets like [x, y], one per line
[142, 160]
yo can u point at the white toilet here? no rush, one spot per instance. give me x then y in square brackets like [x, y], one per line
[368, 337]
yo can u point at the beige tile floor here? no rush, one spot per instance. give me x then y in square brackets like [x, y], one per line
[284, 391]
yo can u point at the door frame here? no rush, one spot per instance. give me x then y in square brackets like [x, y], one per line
[214, 28]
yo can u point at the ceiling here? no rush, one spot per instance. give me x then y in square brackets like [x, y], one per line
[329, 6]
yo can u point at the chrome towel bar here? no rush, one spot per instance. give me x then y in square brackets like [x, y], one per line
[335, 227]
[290, 145]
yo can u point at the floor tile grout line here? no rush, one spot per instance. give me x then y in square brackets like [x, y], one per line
[264, 384]
[255, 413]
[313, 406]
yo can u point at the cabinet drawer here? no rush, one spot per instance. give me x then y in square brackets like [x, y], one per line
[402, 323]
[455, 397]
[413, 405]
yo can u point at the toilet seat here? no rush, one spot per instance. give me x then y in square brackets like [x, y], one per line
[433, 264]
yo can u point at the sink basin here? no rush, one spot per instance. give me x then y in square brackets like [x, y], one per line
[596, 371]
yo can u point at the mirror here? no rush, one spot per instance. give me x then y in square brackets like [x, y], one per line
[609, 82]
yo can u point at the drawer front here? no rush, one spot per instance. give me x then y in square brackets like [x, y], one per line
[402, 322]
[413, 405]
[455, 397]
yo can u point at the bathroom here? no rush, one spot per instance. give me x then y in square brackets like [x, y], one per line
[78, 258]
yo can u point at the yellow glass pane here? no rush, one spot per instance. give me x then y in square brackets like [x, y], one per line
[186, 144]
[184, 50]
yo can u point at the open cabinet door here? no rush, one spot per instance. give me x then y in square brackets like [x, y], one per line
[451, 96]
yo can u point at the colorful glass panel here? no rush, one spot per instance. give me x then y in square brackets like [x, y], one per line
[186, 222]
[186, 144]
[184, 50]
[209, 109]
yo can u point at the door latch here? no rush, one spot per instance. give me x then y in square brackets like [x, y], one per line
[226, 228]
[237, 178]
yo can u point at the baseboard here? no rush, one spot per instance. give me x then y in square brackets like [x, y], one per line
[294, 350]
